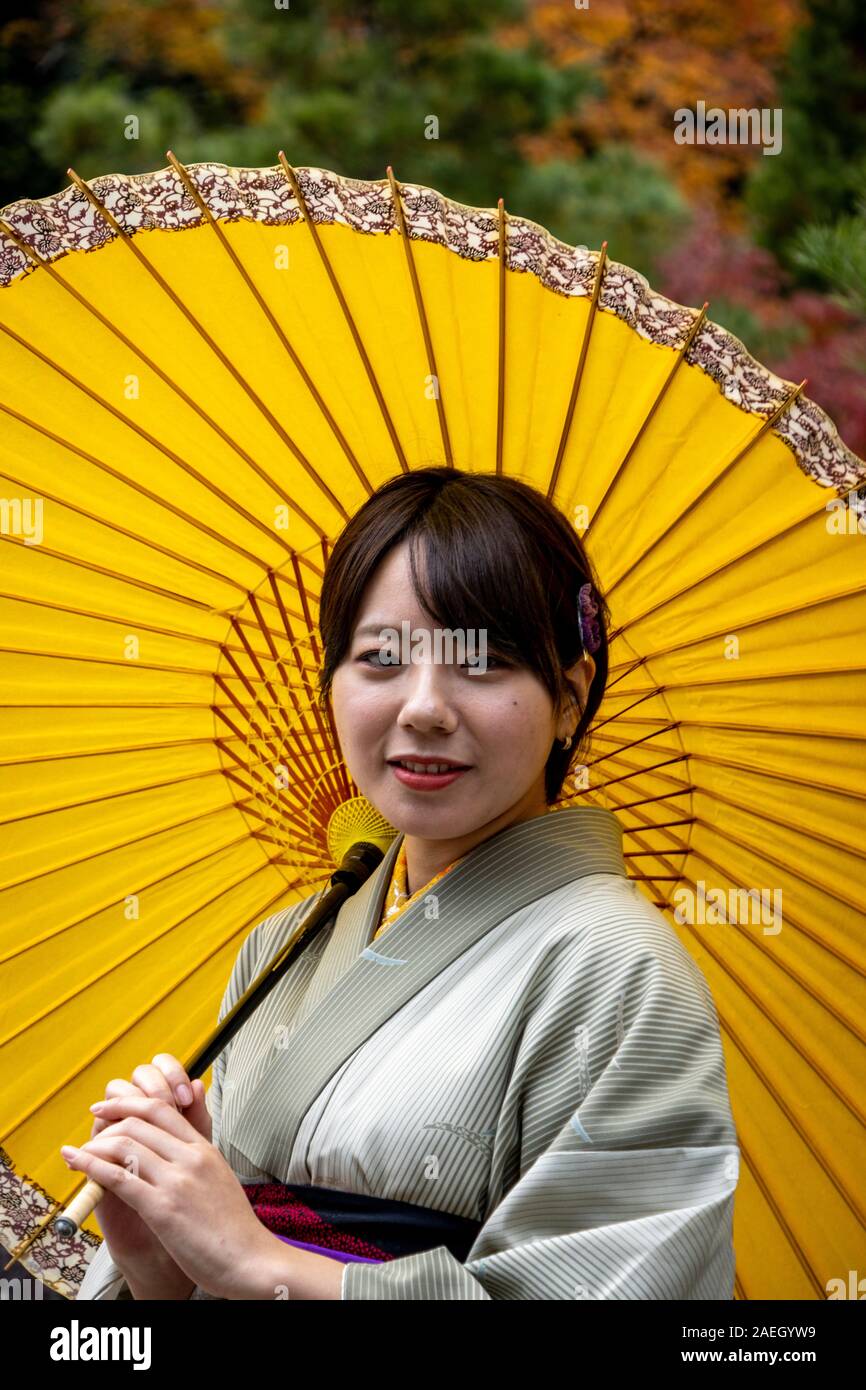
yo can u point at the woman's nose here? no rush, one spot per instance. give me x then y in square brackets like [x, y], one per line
[427, 703]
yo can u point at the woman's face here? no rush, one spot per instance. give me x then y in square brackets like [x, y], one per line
[499, 725]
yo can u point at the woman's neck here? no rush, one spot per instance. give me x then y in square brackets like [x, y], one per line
[426, 858]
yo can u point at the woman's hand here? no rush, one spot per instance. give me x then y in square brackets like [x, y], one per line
[178, 1187]
[136, 1250]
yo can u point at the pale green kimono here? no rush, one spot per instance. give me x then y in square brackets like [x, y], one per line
[529, 1046]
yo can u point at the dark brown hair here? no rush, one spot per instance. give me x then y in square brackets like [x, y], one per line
[496, 555]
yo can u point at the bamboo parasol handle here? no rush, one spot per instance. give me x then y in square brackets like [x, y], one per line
[75, 1213]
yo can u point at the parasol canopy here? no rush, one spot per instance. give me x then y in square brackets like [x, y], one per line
[204, 372]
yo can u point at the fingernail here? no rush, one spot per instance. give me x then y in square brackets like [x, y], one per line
[98, 1105]
[67, 1149]
[184, 1095]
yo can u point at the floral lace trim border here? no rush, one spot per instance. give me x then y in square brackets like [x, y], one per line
[67, 221]
[53, 1260]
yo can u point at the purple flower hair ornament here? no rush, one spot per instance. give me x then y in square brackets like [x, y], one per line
[587, 612]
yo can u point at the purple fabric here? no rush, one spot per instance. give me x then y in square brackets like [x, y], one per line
[332, 1254]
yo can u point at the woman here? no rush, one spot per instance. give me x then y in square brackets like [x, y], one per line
[498, 1074]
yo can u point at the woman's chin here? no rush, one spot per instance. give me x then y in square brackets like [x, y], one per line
[413, 813]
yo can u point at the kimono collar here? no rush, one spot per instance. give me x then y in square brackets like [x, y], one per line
[587, 839]
[357, 985]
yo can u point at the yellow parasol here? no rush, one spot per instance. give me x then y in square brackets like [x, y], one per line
[205, 371]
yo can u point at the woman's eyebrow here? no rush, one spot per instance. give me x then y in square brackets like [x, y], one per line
[376, 628]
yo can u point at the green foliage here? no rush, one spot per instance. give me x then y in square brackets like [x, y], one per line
[836, 253]
[83, 124]
[815, 177]
[24, 85]
[614, 195]
[431, 88]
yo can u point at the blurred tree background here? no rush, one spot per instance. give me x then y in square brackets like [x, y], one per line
[566, 113]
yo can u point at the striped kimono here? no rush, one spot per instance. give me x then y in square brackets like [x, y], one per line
[527, 1052]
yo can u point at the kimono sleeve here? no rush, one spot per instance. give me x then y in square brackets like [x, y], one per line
[621, 1134]
[242, 974]
[258, 948]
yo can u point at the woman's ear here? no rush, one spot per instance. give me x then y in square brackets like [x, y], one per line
[579, 678]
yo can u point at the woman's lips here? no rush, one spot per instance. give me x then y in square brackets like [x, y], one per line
[427, 781]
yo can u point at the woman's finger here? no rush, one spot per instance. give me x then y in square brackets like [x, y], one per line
[116, 1178]
[188, 1096]
[157, 1113]
[152, 1080]
[176, 1076]
[130, 1134]
[116, 1087]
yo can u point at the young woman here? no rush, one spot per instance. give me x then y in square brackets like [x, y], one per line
[498, 1074]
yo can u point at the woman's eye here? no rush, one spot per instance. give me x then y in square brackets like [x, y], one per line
[384, 659]
[490, 663]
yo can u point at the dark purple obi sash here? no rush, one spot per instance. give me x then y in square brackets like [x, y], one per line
[353, 1226]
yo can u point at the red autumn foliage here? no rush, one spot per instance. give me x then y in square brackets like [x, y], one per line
[797, 333]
